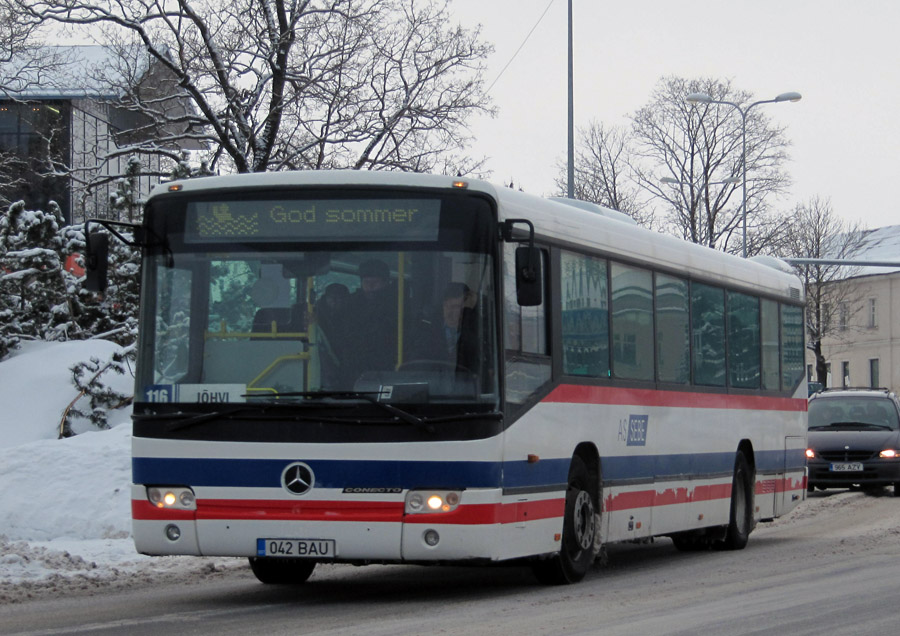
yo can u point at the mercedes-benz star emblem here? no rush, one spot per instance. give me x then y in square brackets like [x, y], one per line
[298, 478]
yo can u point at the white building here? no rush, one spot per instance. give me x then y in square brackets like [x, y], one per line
[75, 115]
[864, 349]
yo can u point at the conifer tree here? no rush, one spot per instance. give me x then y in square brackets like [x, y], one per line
[33, 285]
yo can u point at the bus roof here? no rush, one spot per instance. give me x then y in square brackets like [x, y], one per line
[576, 224]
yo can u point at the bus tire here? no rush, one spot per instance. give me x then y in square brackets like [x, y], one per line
[740, 522]
[578, 549]
[281, 571]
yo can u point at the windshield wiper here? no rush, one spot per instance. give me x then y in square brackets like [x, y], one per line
[368, 396]
[193, 419]
[489, 415]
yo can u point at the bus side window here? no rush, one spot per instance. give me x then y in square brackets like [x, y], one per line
[527, 351]
[585, 315]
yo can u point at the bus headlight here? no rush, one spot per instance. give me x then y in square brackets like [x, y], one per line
[431, 501]
[172, 498]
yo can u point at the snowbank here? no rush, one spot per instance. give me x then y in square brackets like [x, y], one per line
[36, 387]
[75, 488]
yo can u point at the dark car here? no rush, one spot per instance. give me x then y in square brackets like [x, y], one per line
[854, 439]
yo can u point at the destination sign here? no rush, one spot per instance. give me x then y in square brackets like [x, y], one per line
[313, 220]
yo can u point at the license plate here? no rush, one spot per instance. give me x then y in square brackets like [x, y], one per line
[304, 548]
[847, 467]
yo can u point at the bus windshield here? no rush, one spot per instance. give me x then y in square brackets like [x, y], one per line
[277, 311]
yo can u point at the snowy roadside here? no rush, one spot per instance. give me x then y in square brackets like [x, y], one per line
[65, 520]
[65, 505]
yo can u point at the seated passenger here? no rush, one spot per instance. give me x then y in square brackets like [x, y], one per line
[331, 321]
[451, 337]
[372, 318]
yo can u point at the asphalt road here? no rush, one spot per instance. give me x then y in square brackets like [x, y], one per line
[830, 567]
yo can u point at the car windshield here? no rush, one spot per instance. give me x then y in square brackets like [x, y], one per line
[852, 411]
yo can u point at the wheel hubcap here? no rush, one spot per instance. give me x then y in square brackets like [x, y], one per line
[584, 520]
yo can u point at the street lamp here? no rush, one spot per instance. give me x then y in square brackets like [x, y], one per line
[703, 98]
[677, 182]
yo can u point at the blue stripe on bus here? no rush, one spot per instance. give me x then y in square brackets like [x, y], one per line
[266, 473]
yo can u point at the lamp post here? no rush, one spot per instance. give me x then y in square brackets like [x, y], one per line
[703, 98]
[672, 181]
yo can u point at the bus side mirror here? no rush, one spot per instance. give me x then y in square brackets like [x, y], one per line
[96, 262]
[529, 276]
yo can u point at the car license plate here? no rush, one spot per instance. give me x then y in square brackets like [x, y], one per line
[304, 548]
[847, 467]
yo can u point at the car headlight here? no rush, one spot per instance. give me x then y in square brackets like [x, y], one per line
[431, 501]
[810, 453]
[172, 498]
[889, 453]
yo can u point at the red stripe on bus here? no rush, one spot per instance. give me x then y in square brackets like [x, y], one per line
[352, 511]
[480, 514]
[143, 510]
[279, 510]
[651, 498]
[583, 394]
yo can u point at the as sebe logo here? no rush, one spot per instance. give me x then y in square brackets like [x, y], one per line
[298, 478]
[633, 431]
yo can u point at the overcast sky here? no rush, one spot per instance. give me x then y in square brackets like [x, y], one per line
[843, 57]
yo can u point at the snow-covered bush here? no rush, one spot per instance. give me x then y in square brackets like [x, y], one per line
[91, 380]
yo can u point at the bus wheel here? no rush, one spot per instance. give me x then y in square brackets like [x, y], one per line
[281, 571]
[740, 523]
[577, 552]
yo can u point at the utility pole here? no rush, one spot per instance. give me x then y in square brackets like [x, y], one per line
[571, 171]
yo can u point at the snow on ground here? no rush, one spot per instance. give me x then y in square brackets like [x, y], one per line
[65, 505]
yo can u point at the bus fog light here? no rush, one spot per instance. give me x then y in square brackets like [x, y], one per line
[173, 532]
[432, 538]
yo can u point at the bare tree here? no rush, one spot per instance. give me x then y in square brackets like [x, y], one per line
[831, 301]
[603, 172]
[275, 84]
[698, 149]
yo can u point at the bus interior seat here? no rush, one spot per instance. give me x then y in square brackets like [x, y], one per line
[286, 319]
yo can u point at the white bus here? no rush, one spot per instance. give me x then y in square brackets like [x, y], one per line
[362, 367]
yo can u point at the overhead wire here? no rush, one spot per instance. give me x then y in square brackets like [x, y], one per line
[503, 70]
